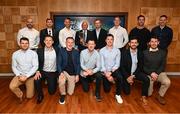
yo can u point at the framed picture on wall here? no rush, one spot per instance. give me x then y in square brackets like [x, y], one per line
[77, 18]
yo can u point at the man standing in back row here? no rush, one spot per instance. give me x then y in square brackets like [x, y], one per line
[66, 32]
[163, 33]
[141, 33]
[99, 34]
[31, 33]
[120, 34]
[83, 36]
[49, 31]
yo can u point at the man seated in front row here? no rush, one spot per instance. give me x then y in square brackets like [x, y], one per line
[110, 62]
[47, 68]
[24, 65]
[131, 68]
[68, 64]
[90, 65]
[154, 66]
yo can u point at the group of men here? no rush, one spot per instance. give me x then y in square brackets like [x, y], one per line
[91, 56]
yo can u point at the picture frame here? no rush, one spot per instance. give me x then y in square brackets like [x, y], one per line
[77, 18]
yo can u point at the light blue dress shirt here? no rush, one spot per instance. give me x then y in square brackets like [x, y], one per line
[134, 61]
[24, 62]
[90, 61]
[110, 59]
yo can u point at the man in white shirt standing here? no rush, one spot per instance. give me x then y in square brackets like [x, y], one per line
[120, 34]
[31, 33]
[66, 32]
[24, 65]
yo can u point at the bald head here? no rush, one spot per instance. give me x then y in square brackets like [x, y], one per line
[29, 23]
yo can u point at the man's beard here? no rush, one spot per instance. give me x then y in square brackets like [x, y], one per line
[29, 26]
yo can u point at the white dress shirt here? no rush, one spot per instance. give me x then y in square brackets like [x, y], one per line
[120, 36]
[49, 31]
[63, 34]
[49, 60]
[31, 34]
[24, 62]
[98, 32]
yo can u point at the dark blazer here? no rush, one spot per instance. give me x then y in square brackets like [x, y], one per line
[126, 63]
[44, 33]
[100, 42]
[40, 52]
[62, 60]
[77, 39]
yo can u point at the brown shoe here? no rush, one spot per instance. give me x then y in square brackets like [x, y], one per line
[144, 100]
[161, 100]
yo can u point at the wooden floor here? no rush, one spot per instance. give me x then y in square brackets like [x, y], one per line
[82, 102]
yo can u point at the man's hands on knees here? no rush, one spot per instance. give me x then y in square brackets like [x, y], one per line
[37, 75]
[108, 75]
[130, 79]
[154, 76]
[88, 72]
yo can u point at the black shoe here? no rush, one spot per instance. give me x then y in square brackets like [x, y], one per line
[62, 99]
[98, 98]
[39, 99]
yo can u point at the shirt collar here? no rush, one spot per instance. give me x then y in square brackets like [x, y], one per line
[98, 29]
[109, 48]
[49, 28]
[153, 50]
[163, 27]
[118, 27]
[48, 49]
[67, 28]
[131, 51]
[24, 51]
[90, 52]
[29, 29]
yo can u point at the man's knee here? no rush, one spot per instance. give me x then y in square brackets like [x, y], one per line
[12, 86]
[61, 81]
[167, 83]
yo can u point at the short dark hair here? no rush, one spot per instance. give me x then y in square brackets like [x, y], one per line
[154, 37]
[49, 37]
[67, 18]
[98, 20]
[109, 35]
[25, 39]
[163, 16]
[91, 40]
[69, 38]
[49, 19]
[134, 38]
[140, 16]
